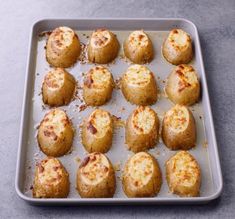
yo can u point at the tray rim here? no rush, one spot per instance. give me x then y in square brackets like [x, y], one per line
[154, 200]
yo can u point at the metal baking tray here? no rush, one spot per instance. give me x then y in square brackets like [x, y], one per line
[33, 111]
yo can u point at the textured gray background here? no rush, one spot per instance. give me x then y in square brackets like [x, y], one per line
[216, 24]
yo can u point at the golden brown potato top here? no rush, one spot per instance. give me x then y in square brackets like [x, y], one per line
[140, 168]
[100, 38]
[177, 118]
[62, 37]
[187, 77]
[179, 39]
[94, 168]
[138, 38]
[55, 79]
[54, 123]
[143, 119]
[50, 171]
[98, 77]
[138, 75]
[185, 169]
[99, 122]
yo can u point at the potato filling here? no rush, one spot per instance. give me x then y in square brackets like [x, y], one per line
[143, 119]
[138, 38]
[100, 38]
[101, 121]
[140, 169]
[94, 168]
[177, 118]
[179, 38]
[137, 75]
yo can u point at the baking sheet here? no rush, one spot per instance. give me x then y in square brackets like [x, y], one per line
[119, 107]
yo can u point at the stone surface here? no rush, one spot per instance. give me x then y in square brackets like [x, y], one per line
[216, 24]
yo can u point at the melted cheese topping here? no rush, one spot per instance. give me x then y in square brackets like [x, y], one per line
[187, 77]
[55, 78]
[101, 121]
[143, 119]
[138, 38]
[62, 37]
[140, 168]
[177, 118]
[98, 77]
[185, 169]
[54, 123]
[49, 171]
[179, 38]
[137, 75]
[94, 168]
[100, 38]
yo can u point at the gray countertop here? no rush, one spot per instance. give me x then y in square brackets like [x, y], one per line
[216, 23]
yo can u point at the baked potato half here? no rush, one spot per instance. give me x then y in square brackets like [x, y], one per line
[141, 176]
[142, 129]
[139, 86]
[98, 86]
[97, 131]
[96, 177]
[182, 86]
[58, 87]
[63, 47]
[183, 174]
[51, 179]
[138, 47]
[179, 129]
[103, 46]
[55, 133]
[177, 48]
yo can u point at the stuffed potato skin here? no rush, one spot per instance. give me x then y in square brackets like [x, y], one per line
[98, 86]
[103, 46]
[63, 47]
[96, 177]
[142, 129]
[51, 179]
[58, 87]
[139, 86]
[177, 48]
[183, 174]
[183, 85]
[138, 47]
[55, 133]
[141, 176]
[97, 131]
[179, 129]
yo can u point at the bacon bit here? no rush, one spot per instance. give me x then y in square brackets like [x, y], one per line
[175, 31]
[141, 37]
[56, 168]
[183, 84]
[88, 81]
[118, 123]
[50, 134]
[181, 66]
[82, 107]
[40, 168]
[136, 183]
[91, 128]
[93, 158]
[84, 162]
[106, 169]
[117, 83]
